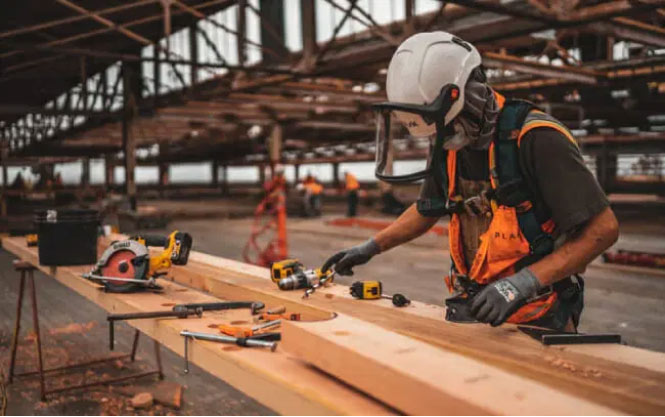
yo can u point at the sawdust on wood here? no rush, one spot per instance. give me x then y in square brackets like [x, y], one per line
[585, 371]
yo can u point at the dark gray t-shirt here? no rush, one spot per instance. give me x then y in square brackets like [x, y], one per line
[554, 169]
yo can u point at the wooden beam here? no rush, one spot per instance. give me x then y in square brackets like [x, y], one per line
[419, 379]
[277, 380]
[620, 377]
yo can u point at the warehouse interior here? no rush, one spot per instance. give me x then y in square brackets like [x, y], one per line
[166, 115]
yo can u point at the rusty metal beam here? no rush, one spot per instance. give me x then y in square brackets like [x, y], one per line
[308, 28]
[73, 19]
[517, 64]
[101, 31]
[18, 109]
[632, 30]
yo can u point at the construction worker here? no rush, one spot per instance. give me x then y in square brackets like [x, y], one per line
[527, 216]
[352, 186]
[312, 196]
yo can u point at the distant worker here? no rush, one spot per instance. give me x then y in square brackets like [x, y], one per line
[527, 215]
[312, 196]
[352, 187]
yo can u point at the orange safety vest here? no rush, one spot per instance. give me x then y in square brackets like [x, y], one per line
[351, 182]
[314, 187]
[504, 243]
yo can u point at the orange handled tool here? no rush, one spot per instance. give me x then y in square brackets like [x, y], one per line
[236, 331]
[284, 316]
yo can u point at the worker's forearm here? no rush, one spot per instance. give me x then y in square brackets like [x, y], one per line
[408, 226]
[573, 256]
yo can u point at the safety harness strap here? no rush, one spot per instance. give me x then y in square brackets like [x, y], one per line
[509, 185]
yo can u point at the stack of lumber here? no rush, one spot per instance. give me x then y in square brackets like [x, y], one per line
[363, 357]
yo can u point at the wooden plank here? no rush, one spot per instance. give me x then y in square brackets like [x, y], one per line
[600, 374]
[597, 373]
[420, 379]
[275, 379]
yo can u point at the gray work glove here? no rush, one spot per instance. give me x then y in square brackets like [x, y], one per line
[500, 299]
[345, 260]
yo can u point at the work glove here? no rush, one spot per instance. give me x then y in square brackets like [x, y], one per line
[500, 299]
[345, 260]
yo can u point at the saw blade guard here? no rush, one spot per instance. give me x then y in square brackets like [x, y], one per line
[123, 259]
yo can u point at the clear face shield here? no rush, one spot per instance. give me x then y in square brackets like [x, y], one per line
[404, 132]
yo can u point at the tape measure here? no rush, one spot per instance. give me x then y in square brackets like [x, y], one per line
[372, 290]
[366, 290]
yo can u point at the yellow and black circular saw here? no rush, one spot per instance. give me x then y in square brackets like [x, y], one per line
[127, 266]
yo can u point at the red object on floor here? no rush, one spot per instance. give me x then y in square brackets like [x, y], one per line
[437, 229]
[636, 258]
[269, 223]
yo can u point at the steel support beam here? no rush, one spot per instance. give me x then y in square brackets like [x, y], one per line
[131, 79]
[271, 14]
[308, 28]
[241, 35]
[564, 72]
[18, 109]
[194, 54]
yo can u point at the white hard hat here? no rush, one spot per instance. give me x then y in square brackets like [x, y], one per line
[422, 65]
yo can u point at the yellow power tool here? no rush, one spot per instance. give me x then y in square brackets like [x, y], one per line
[127, 265]
[290, 274]
[284, 268]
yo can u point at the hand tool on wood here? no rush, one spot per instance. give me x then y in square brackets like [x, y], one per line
[182, 311]
[282, 316]
[372, 290]
[180, 314]
[237, 331]
[127, 266]
[266, 341]
[553, 337]
[276, 310]
[254, 306]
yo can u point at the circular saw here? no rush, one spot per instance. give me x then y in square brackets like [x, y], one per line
[127, 265]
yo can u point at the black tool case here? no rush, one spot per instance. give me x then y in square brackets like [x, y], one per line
[67, 237]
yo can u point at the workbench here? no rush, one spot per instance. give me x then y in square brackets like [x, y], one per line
[364, 357]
